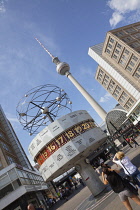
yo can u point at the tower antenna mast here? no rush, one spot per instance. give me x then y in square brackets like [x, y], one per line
[45, 48]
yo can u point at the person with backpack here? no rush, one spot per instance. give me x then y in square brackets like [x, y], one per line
[129, 169]
[110, 176]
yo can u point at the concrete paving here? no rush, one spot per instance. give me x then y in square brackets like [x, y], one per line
[82, 199]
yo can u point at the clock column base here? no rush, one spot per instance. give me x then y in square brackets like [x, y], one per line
[89, 177]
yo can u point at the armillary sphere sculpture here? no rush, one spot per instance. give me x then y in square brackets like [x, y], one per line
[42, 105]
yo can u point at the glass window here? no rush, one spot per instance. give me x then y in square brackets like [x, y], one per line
[129, 30]
[123, 96]
[4, 180]
[131, 63]
[128, 39]
[2, 135]
[114, 94]
[108, 51]
[106, 77]
[110, 89]
[24, 174]
[135, 45]
[129, 68]
[23, 181]
[137, 75]
[16, 184]
[136, 35]
[10, 160]
[134, 58]
[122, 62]
[110, 46]
[5, 146]
[13, 175]
[118, 88]
[112, 82]
[119, 46]
[111, 40]
[19, 173]
[1, 164]
[137, 27]
[126, 52]
[6, 190]
[120, 33]
[117, 51]
[101, 71]
[120, 100]
[114, 56]
[104, 83]
[30, 175]
[124, 57]
[131, 100]
[126, 106]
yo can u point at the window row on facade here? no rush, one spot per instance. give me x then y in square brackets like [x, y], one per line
[124, 57]
[124, 31]
[116, 90]
[14, 178]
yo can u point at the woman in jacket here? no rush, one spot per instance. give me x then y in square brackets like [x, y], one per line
[110, 176]
[129, 168]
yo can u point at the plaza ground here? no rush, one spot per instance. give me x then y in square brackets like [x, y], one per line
[82, 199]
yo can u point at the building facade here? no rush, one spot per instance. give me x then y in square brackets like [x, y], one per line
[119, 65]
[11, 150]
[20, 184]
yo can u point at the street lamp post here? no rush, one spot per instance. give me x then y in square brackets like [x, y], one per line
[120, 134]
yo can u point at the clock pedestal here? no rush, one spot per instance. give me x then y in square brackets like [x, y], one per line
[66, 143]
[90, 177]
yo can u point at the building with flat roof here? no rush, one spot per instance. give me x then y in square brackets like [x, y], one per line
[20, 184]
[119, 66]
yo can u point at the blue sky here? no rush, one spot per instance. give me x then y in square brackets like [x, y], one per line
[67, 28]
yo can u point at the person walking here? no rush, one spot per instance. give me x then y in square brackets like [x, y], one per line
[129, 169]
[110, 176]
[32, 207]
[132, 140]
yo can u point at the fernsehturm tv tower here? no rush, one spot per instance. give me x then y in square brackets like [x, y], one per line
[64, 69]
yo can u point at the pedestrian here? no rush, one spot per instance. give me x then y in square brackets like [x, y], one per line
[97, 170]
[32, 207]
[116, 182]
[129, 169]
[128, 141]
[101, 160]
[64, 195]
[132, 140]
[105, 165]
[81, 182]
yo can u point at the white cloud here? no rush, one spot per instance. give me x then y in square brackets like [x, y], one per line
[105, 98]
[115, 19]
[2, 6]
[121, 8]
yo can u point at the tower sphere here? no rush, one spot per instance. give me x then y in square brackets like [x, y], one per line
[62, 68]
